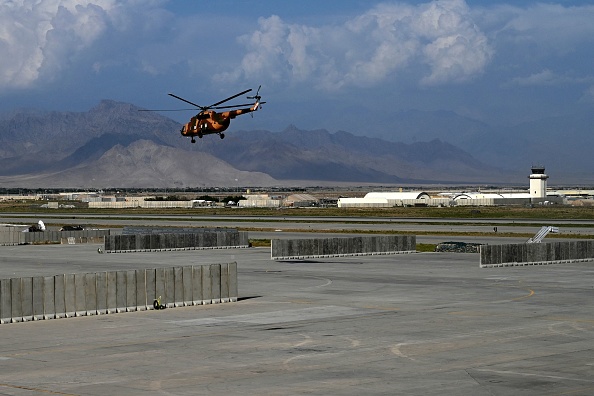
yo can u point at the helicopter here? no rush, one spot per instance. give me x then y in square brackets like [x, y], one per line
[208, 121]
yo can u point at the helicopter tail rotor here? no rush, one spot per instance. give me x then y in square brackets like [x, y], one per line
[257, 105]
[257, 95]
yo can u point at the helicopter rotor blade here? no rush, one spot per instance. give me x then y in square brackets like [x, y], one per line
[232, 106]
[228, 99]
[187, 101]
[166, 109]
[239, 105]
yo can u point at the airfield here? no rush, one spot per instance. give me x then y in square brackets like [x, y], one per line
[411, 324]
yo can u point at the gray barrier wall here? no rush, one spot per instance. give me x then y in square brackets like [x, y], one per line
[57, 236]
[16, 237]
[10, 237]
[287, 249]
[159, 242]
[536, 253]
[171, 230]
[71, 295]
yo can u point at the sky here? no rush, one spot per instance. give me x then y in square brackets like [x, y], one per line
[339, 65]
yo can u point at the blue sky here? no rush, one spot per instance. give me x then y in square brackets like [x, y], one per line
[340, 65]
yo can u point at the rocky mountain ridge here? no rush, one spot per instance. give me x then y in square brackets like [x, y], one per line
[116, 145]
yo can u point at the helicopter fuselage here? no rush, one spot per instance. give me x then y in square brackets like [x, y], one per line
[209, 122]
[206, 122]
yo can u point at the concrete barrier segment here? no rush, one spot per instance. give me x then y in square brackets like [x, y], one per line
[27, 298]
[140, 290]
[178, 285]
[215, 281]
[80, 302]
[151, 287]
[197, 298]
[536, 253]
[37, 295]
[233, 289]
[169, 294]
[16, 291]
[49, 297]
[5, 301]
[188, 295]
[131, 304]
[206, 285]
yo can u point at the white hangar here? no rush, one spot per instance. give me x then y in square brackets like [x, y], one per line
[390, 199]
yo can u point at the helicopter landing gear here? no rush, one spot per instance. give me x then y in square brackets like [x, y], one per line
[193, 140]
[222, 135]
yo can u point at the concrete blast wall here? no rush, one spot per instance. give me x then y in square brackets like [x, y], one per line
[131, 230]
[70, 295]
[141, 204]
[10, 237]
[58, 236]
[16, 237]
[536, 253]
[286, 249]
[175, 241]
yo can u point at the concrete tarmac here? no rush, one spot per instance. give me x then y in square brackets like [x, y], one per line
[411, 324]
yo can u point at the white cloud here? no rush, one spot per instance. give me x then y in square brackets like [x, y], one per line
[588, 96]
[40, 38]
[545, 77]
[541, 28]
[549, 78]
[37, 38]
[365, 51]
[457, 50]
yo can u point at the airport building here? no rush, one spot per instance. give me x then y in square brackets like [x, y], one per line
[538, 182]
[537, 194]
[391, 199]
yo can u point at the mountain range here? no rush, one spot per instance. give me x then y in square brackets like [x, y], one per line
[116, 145]
[561, 143]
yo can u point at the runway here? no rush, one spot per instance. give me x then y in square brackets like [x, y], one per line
[414, 324]
[431, 230]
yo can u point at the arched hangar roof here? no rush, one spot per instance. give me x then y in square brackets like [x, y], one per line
[398, 195]
[471, 195]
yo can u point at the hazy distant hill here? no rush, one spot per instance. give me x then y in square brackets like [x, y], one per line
[39, 141]
[563, 144]
[342, 156]
[60, 133]
[145, 164]
[114, 144]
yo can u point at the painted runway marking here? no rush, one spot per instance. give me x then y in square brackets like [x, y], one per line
[28, 388]
[533, 375]
[396, 351]
[526, 296]
[284, 316]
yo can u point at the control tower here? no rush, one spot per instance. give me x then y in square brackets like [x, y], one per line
[538, 182]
